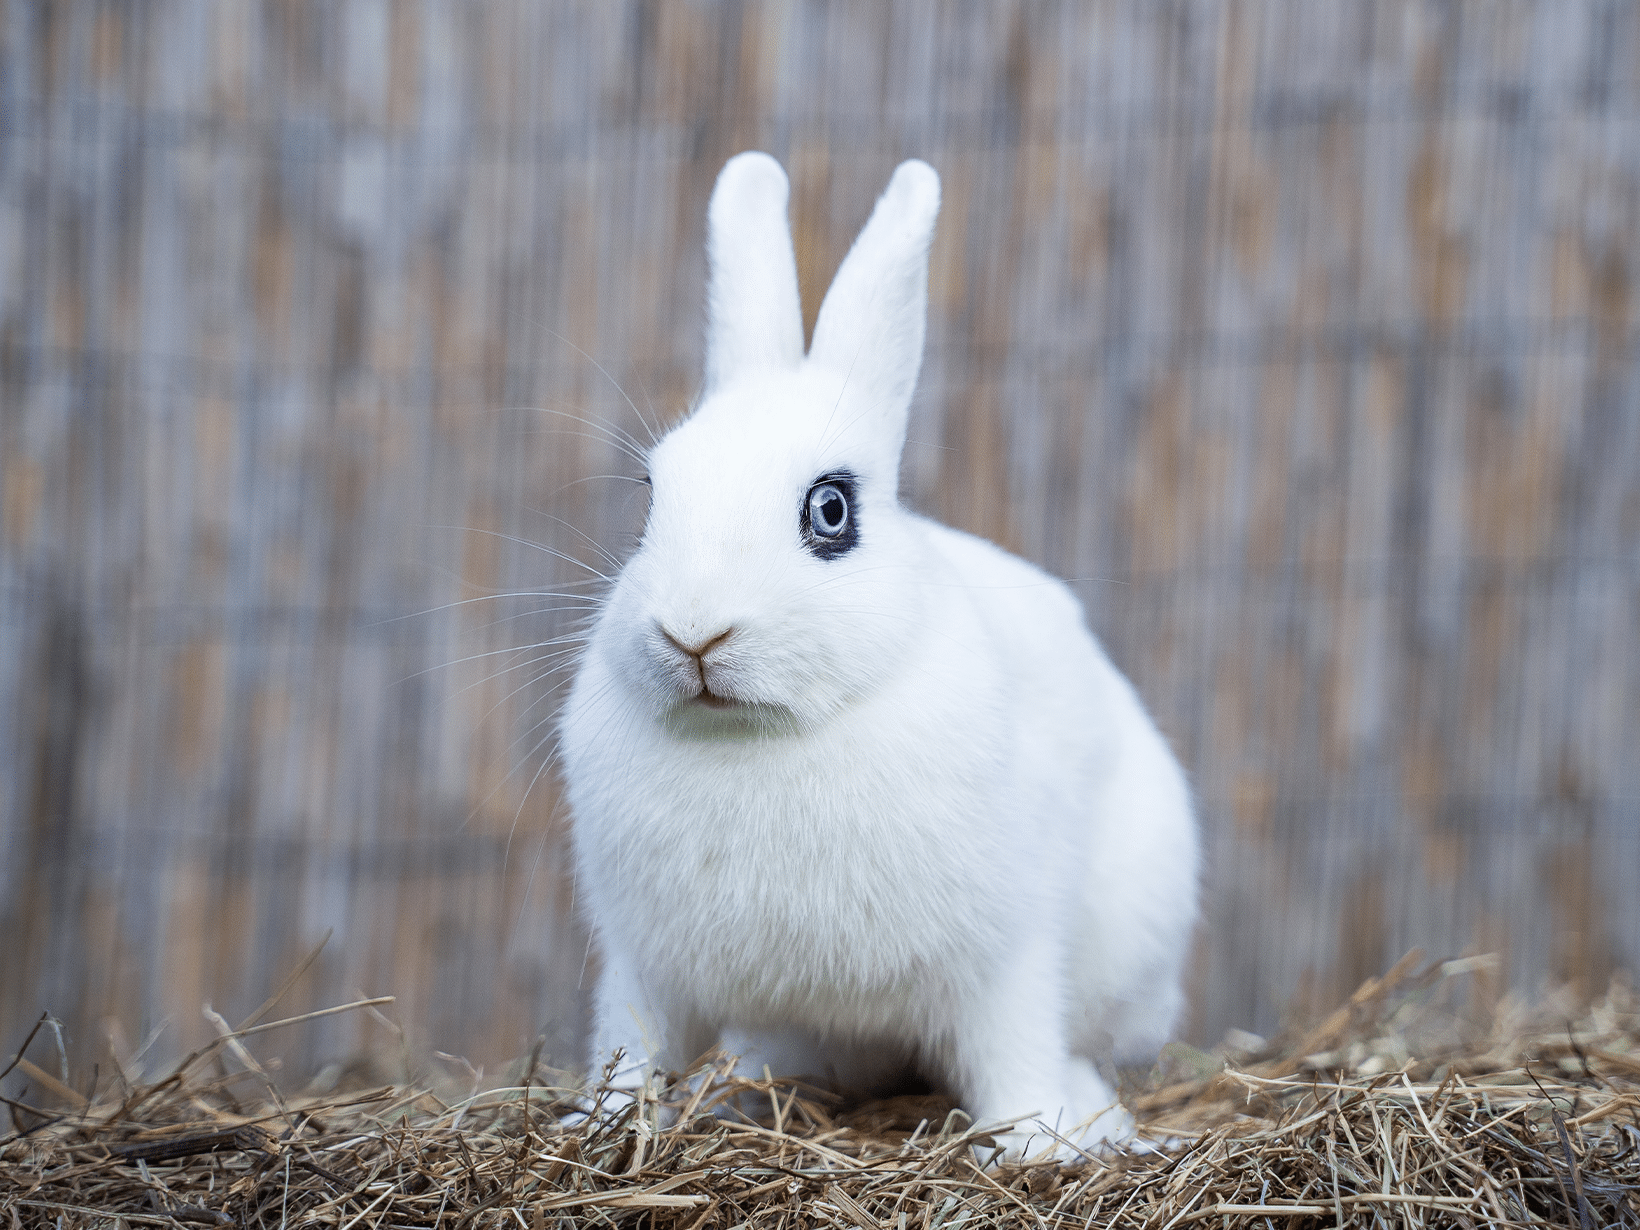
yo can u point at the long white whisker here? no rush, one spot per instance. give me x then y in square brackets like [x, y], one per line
[534, 679]
[600, 368]
[587, 600]
[525, 542]
[649, 401]
[529, 882]
[612, 435]
[539, 611]
[566, 639]
[547, 695]
[608, 555]
[614, 432]
[506, 777]
[592, 478]
[518, 666]
[546, 762]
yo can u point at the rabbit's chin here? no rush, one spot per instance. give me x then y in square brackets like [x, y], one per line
[768, 700]
[714, 717]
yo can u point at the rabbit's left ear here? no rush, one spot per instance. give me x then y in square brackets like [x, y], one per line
[753, 315]
[874, 316]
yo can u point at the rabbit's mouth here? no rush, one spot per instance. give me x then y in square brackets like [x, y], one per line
[712, 700]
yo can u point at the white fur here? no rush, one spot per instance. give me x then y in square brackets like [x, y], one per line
[932, 823]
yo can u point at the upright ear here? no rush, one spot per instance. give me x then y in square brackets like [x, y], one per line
[753, 315]
[874, 316]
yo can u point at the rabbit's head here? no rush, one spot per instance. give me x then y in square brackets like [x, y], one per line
[776, 576]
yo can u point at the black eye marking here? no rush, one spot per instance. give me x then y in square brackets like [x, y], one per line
[830, 515]
[648, 504]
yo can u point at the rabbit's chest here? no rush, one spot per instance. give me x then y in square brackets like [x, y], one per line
[773, 878]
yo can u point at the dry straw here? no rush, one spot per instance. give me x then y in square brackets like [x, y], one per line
[1393, 1112]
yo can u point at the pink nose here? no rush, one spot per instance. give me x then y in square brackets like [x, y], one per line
[701, 647]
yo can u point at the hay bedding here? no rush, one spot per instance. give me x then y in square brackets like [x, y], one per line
[1380, 1115]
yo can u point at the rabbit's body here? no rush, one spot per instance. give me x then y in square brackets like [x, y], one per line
[846, 809]
[785, 907]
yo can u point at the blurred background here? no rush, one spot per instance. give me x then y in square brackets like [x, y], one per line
[1300, 336]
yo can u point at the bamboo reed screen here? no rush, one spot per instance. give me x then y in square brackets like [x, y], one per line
[1301, 336]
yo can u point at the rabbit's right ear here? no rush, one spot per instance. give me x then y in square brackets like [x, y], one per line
[754, 317]
[873, 319]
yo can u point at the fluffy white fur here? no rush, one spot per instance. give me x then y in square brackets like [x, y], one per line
[896, 806]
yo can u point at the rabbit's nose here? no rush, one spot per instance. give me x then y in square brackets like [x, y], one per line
[701, 645]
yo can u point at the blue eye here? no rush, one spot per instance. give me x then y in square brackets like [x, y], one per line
[828, 510]
[829, 515]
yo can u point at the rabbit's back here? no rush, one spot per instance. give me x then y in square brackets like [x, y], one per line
[1090, 761]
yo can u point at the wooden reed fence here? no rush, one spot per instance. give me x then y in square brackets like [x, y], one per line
[1302, 336]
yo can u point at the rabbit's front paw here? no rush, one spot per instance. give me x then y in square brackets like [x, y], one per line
[1067, 1137]
[1080, 1118]
[639, 1103]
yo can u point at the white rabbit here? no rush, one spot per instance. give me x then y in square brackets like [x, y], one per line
[853, 790]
